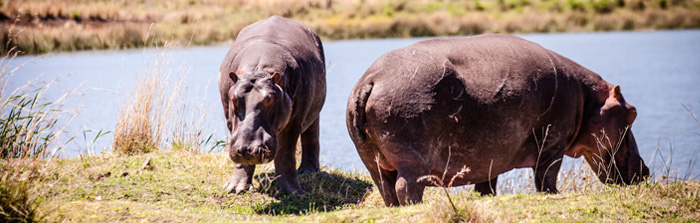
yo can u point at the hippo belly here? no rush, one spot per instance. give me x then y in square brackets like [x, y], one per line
[489, 103]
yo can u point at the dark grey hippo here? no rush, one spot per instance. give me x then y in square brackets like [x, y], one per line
[273, 86]
[491, 103]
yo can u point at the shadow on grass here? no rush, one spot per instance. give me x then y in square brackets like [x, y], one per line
[325, 191]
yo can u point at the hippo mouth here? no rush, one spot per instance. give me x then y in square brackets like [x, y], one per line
[625, 175]
[631, 171]
[256, 156]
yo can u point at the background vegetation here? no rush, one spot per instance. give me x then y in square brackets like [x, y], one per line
[38, 26]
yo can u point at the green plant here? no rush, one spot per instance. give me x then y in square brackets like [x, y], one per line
[29, 131]
[576, 5]
[602, 6]
[479, 6]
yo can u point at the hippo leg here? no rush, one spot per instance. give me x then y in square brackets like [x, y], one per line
[242, 179]
[384, 179]
[285, 163]
[546, 173]
[487, 188]
[309, 149]
[409, 189]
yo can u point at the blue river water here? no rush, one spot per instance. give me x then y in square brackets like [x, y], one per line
[659, 73]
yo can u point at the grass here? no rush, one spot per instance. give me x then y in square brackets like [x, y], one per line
[184, 183]
[39, 26]
[180, 186]
[649, 202]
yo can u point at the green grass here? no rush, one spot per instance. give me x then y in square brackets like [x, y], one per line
[180, 186]
[188, 184]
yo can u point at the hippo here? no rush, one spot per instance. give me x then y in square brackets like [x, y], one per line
[273, 86]
[489, 104]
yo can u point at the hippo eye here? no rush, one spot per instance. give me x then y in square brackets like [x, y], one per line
[268, 99]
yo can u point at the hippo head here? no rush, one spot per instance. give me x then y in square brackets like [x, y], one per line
[607, 143]
[258, 109]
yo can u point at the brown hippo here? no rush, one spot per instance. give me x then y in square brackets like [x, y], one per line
[491, 103]
[273, 85]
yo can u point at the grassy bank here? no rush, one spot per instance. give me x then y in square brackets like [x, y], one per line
[179, 186]
[38, 26]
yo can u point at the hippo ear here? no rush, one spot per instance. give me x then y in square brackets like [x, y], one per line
[233, 77]
[616, 91]
[277, 78]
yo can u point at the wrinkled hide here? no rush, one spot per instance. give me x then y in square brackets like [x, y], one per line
[490, 103]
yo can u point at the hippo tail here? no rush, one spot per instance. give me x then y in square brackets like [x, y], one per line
[356, 113]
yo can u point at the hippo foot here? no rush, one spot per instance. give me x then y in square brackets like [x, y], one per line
[306, 169]
[296, 192]
[238, 186]
[289, 190]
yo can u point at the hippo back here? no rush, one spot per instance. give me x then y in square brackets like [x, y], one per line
[483, 96]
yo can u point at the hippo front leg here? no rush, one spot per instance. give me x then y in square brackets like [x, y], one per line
[241, 180]
[546, 173]
[487, 188]
[285, 164]
[309, 150]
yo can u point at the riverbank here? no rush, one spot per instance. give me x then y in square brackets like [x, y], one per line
[36, 26]
[181, 186]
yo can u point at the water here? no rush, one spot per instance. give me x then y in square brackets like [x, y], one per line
[657, 71]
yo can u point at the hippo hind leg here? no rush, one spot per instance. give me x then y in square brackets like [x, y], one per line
[310, 149]
[409, 189]
[487, 188]
[384, 179]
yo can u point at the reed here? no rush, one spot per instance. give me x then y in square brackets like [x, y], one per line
[30, 131]
[66, 25]
[142, 122]
[158, 113]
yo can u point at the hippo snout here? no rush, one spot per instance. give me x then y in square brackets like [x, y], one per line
[257, 154]
[637, 171]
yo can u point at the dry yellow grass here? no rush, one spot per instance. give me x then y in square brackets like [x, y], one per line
[64, 25]
[145, 116]
[157, 113]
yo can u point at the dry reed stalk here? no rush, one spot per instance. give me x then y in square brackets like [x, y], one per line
[187, 130]
[159, 113]
[140, 125]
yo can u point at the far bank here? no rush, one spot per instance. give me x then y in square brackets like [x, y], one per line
[35, 27]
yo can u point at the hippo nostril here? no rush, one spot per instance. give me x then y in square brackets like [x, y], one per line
[244, 151]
